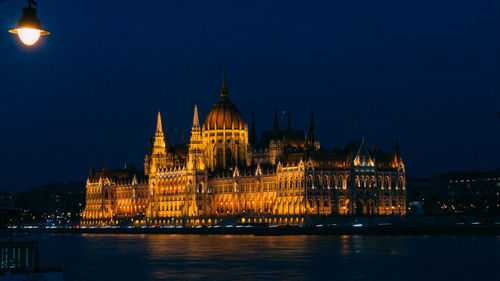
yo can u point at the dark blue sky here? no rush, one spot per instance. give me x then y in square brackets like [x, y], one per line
[426, 71]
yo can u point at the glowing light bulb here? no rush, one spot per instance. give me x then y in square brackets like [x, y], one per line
[28, 27]
[28, 36]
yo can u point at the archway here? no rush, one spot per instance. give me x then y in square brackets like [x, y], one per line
[370, 206]
[361, 207]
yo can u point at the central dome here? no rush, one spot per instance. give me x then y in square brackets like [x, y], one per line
[224, 114]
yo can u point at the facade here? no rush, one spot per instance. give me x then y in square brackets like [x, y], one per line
[57, 203]
[465, 193]
[227, 173]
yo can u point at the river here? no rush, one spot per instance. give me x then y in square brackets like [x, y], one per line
[98, 257]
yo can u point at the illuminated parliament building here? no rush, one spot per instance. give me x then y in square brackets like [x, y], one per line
[227, 173]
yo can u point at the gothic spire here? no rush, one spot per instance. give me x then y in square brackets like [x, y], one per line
[195, 142]
[196, 122]
[312, 130]
[150, 144]
[223, 90]
[183, 139]
[253, 131]
[159, 142]
[104, 166]
[92, 169]
[276, 128]
[159, 128]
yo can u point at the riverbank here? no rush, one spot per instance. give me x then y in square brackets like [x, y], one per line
[356, 229]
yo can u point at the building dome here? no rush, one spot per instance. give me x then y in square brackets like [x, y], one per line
[224, 114]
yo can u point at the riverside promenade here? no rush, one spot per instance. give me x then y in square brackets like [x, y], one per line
[274, 230]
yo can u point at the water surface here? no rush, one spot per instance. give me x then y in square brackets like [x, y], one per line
[98, 257]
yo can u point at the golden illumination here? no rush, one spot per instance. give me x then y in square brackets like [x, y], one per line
[29, 28]
[219, 174]
[29, 36]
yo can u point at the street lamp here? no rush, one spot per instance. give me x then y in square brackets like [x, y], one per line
[28, 27]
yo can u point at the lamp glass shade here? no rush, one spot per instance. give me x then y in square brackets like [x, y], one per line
[28, 36]
[29, 28]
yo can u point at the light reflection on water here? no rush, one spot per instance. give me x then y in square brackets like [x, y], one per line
[231, 257]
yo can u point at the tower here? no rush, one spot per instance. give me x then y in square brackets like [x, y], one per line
[92, 170]
[313, 143]
[225, 134]
[147, 158]
[159, 153]
[195, 157]
[197, 176]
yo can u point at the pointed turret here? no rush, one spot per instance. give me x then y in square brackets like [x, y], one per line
[159, 154]
[196, 122]
[150, 144]
[92, 170]
[183, 139]
[159, 127]
[312, 131]
[397, 156]
[104, 167]
[159, 143]
[276, 128]
[195, 141]
[253, 132]
[147, 158]
[195, 161]
[398, 161]
[223, 90]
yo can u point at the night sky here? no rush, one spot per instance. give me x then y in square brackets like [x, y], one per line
[425, 71]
